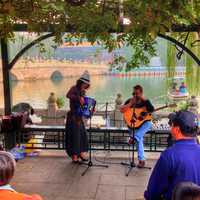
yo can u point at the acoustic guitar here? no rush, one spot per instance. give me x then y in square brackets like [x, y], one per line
[135, 117]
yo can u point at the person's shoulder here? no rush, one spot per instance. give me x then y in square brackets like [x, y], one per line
[169, 151]
[127, 101]
[6, 194]
[197, 146]
[32, 197]
[73, 87]
[147, 101]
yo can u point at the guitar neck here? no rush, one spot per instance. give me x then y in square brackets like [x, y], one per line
[160, 108]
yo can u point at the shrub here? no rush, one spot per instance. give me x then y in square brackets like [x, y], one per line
[60, 102]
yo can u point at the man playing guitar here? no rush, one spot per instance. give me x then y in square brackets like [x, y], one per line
[138, 102]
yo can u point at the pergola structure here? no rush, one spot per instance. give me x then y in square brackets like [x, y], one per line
[53, 29]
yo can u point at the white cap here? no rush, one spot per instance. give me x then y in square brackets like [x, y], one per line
[85, 77]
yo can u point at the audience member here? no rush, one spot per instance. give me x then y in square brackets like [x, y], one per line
[178, 163]
[7, 169]
[182, 88]
[186, 191]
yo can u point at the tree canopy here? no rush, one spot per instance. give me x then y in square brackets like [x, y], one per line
[95, 20]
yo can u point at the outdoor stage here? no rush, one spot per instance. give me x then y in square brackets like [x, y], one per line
[54, 177]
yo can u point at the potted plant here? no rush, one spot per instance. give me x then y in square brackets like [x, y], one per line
[60, 101]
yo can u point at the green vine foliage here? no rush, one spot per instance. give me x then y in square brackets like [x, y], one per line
[142, 51]
[192, 74]
[96, 19]
[192, 71]
[118, 62]
[170, 63]
[171, 59]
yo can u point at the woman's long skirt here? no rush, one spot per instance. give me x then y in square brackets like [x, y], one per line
[76, 136]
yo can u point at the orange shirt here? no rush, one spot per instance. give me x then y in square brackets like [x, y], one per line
[11, 195]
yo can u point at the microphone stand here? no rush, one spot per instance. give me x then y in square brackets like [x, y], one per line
[131, 164]
[90, 163]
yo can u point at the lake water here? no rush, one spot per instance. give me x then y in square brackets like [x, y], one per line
[103, 89]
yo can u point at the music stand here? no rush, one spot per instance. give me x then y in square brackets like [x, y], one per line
[90, 163]
[131, 164]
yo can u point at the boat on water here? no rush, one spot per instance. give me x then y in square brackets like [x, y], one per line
[178, 95]
[178, 90]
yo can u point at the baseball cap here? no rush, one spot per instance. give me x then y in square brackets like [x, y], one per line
[187, 120]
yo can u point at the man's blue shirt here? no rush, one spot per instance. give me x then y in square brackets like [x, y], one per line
[179, 163]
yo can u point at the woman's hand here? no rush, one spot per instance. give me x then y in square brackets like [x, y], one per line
[82, 101]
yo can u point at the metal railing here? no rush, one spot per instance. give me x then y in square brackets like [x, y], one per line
[110, 139]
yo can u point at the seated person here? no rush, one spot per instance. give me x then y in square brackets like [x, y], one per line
[186, 191]
[178, 163]
[7, 169]
[182, 88]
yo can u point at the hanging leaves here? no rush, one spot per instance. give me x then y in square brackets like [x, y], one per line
[76, 2]
[95, 20]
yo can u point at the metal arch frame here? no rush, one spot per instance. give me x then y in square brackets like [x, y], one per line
[7, 66]
[31, 44]
[182, 46]
[180, 51]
